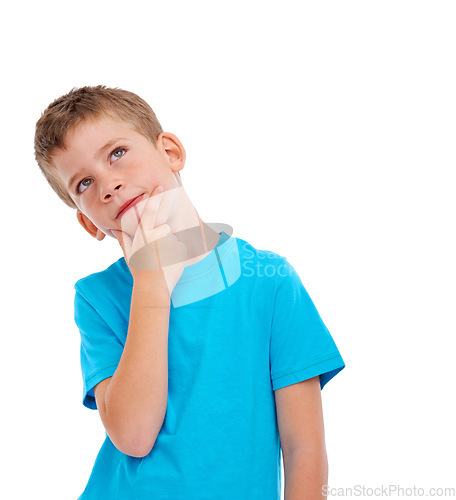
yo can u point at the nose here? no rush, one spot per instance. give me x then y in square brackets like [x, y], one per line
[109, 185]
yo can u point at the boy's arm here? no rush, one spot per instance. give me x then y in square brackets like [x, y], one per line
[132, 403]
[302, 438]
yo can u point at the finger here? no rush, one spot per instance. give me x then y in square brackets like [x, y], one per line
[130, 219]
[149, 214]
[172, 201]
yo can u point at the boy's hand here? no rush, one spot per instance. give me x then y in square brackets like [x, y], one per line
[154, 253]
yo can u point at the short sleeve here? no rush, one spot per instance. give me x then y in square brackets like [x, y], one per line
[301, 346]
[101, 349]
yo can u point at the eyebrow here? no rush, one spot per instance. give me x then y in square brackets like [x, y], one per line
[98, 153]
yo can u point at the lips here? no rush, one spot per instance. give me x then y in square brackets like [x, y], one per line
[130, 203]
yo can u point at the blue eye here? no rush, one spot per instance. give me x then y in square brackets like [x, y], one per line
[116, 153]
[78, 189]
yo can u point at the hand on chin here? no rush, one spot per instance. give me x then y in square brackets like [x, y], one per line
[129, 220]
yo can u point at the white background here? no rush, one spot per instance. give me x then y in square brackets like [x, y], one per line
[323, 131]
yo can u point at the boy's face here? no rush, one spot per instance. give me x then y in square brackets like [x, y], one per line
[107, 163]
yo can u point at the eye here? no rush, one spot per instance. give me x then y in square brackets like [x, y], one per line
[81, 184]
[117, 153]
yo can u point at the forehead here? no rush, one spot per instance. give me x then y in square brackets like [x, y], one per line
[86, 140]
[94, 129]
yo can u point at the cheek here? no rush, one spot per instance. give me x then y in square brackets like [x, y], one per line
[89, 206]
[85, 207]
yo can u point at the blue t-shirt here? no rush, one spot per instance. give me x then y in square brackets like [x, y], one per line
[241, 326]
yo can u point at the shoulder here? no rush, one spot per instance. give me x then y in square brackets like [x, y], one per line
[113, 275]
[104, 295]
[264, 264]
[247, 252]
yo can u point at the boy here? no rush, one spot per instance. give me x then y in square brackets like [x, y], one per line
[204, 356]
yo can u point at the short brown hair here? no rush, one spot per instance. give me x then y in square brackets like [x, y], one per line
[82, 103]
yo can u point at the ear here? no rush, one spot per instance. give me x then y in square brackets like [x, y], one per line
[175, 153]
[89, 226]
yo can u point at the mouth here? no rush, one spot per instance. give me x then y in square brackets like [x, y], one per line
[130, 203]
